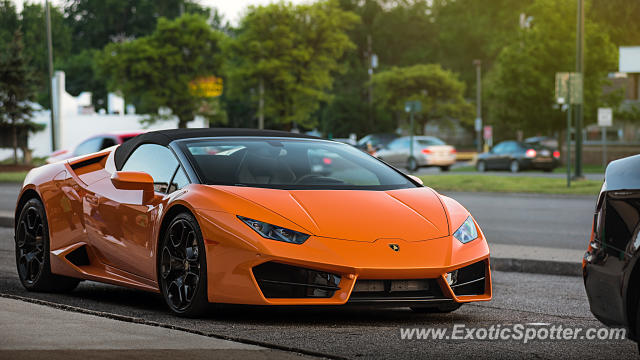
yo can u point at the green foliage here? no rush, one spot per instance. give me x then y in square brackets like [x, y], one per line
[471, 29]
[619, 18]
[157, 69]
[295, 51]
[521, 86]
[439, 91]
[35, 41]
[16, 90]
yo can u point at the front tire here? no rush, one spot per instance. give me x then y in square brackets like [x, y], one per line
[32, 252]
[440, 309]
[481, 166]
[445, 168]
[182, 267]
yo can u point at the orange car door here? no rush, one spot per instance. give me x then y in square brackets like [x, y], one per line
[125, 235]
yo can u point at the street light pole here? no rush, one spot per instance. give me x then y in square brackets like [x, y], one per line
[478, 64]
[580, 71]
[50, 60]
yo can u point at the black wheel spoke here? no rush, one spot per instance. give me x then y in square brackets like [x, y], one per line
[180, 265]
[30, 245]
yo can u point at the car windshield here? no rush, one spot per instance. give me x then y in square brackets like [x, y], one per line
[289, 164]
[430, 141]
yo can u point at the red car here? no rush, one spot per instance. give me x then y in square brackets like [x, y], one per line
[93, 144]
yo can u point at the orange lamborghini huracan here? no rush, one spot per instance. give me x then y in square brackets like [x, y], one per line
[248, 217]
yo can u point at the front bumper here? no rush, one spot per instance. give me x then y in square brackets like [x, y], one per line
[232, 260]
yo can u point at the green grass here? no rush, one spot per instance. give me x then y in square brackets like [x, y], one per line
[14, 176]
[586, 169]
[511, 184]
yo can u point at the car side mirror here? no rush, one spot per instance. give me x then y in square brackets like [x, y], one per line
[416, 179]
[134, 180]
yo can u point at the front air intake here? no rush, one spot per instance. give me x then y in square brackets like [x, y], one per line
[281, 281]
[470, 280]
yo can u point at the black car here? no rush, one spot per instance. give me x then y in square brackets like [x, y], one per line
[610, 266]
[515, 156]
[377, 141]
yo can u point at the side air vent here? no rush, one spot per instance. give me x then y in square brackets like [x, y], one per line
[289, 282]
[79, 256]
[470, 280]
[90, 161]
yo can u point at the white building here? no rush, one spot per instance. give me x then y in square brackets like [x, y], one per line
[76, 120]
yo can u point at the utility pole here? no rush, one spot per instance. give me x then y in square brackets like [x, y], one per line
[478, 124]
[580, 71]
[50, 55]
[372, 63]
[261, 104]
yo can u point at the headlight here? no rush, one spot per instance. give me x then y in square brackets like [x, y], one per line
[273, 232]
[467, 231]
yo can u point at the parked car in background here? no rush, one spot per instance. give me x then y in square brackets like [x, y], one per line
[547, 141]
[610, 267]
[427, 151]
[374, 142]
[516, 156]
[93, 144]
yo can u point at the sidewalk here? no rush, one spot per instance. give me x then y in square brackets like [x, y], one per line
[536, 259]
[32, 331]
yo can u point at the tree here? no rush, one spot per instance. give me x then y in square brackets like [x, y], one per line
[156, 70]
[35, 44]
[471, 29]
[288, 55]
[521, 85]
[439, 91]
[16, 91]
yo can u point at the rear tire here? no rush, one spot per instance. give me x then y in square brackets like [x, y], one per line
[33, 258]
[514, 166]
[182, 267]
[481, 166]
[440, 309]
[445, 168]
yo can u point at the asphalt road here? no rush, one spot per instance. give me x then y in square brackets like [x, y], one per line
[532, 220]
[367, 333]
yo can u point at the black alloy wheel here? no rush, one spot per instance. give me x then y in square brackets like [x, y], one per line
[182, 267]
[32, 252]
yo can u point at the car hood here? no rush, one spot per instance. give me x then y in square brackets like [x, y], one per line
[410, 214]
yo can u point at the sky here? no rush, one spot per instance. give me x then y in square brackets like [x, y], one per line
[231, 9]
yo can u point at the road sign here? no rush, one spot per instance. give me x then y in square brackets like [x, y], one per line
[413, 106]
[208, 86]
[487, 132]
[605, 117]
[568, 88]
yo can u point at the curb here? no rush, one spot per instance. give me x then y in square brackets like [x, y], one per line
[547, 267]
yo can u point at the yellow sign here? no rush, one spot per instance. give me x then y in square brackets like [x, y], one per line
[209, 86]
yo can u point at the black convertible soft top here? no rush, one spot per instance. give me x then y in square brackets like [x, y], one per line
[164, 137]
